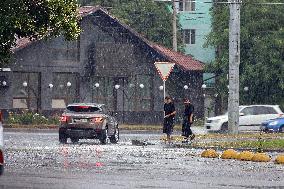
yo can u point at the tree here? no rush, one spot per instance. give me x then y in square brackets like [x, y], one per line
[35, 19]
[150, 18]
[262, 51]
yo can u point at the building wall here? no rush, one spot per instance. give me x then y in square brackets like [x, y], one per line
[200, 20]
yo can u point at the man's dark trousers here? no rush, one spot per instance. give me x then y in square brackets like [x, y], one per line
[186, 130]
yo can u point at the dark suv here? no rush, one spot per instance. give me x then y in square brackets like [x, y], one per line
[88, 121]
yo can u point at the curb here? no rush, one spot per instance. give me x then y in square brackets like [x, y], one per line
[30, 130]
[55, 130]
[221, 149]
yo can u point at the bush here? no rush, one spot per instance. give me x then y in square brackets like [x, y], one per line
[261, 157]
[229, 154]
[31, 118]
[279, 159]
[245, 156]
[210, 153]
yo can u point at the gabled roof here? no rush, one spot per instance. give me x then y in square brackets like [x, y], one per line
[184, 61]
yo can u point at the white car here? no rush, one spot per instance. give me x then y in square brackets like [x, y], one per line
[1, 145]
[251, 118]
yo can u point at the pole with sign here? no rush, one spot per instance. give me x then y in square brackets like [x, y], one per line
[164, 70]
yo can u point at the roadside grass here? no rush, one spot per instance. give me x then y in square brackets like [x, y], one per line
[271, 144]
[244, 135]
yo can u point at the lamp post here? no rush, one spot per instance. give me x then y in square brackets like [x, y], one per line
[204, 86]
[246, 89]
[97, 85]
[68, 84]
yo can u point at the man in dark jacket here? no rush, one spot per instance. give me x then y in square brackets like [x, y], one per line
[187, 120]
[170, 112]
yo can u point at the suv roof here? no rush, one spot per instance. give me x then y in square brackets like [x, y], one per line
[86, 104]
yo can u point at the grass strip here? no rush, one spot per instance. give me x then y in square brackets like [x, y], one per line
[271, 144]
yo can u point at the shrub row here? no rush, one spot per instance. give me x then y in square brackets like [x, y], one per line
[242, 156]
[31, 118]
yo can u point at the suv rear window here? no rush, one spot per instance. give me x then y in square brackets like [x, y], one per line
[83, 108]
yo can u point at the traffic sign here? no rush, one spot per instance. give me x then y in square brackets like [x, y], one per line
[164, 69]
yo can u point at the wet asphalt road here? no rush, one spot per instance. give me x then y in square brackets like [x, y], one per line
[37, 160]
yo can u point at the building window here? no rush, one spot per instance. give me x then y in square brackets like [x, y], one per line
[132, 94]
[65, 88]
[188, 36]
[187, 5]
[26, 90]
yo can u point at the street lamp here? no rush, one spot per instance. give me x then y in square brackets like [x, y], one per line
[141, 86]
[25, 84]
[68, 84]
[50, 85]
[204, 87]
[116, 87]
[4, 83]
[247, 95]
[97, 85]
[185, 87]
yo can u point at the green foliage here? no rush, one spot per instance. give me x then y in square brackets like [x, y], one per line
[152, 19]
[30, 118]
[262, 51]
[35, 19]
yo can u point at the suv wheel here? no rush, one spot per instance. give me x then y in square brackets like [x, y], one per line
[62, 136]
[104, 138]
[74, 140]
[115, 138]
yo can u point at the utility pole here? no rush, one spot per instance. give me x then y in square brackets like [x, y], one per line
[234, 63]
[174, 25]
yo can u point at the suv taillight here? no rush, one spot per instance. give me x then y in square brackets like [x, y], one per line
[64, 119]
[1, 157]
[98, 119]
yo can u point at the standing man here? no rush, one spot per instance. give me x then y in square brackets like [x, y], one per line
[170, 112]
[187, 120]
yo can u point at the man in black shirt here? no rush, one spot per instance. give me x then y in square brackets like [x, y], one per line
[187, 120]
[169, 109]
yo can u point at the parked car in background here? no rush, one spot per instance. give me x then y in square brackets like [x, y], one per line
[251, 118]
[88, 121]
[1, 145]
[273, 125]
